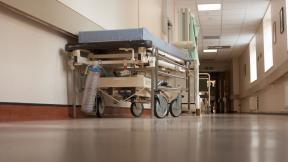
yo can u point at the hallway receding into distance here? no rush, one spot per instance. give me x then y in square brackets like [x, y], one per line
[218, 138]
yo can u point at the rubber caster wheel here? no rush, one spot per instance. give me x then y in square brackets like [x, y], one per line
[100, 107]
[161, 107]
[175, 107]
[137, 109]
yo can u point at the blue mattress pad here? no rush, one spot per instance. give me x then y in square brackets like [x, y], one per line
[139, 35]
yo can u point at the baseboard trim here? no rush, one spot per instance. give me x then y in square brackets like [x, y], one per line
[265, 113]
[35, 112]
[36, 104]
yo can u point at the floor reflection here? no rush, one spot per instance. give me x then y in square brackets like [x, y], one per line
[243, 138]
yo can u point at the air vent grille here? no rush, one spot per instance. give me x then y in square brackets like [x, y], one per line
[211, 37]
[219, 47]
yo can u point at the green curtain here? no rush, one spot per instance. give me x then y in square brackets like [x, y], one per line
[193, 37]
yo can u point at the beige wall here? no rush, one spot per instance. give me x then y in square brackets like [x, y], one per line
[118, 14]
[151, 16]
[32, 64]
[235, 76]
[110, 14]
[170, 14]
[74, 15]
[235, 89]
[54, 13]
[271, 86]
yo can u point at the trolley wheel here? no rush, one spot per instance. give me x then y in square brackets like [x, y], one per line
[100, 107]
[161, 107]
[176, 107]
[137, 109]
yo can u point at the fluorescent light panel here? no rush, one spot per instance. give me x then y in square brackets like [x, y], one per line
[209, 7]
[210, 51]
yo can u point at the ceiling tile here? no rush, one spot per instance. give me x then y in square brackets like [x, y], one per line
[237, 23]
[232, 5]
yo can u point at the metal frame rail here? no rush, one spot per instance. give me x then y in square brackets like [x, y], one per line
[154, 72]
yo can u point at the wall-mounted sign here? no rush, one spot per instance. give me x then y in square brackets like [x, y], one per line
[282, 20]
[274, 32]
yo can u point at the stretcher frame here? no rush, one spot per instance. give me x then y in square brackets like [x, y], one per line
[151, 65]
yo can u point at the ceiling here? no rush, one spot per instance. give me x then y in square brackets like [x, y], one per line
[236, 24]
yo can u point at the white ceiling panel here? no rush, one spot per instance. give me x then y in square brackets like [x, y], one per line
[229, 36]
[233, 16]
[231, 30]
[216, 30]
[210, 13]
[236, 23]
[210, 18]
[239, 11]
[209, 1]
[211, 42]
[230, 43]
[235, 5]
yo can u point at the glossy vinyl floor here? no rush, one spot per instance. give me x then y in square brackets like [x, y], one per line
[215, 138]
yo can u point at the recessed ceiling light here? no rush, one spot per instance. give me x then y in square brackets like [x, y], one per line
[209, 7]
[210, 51]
